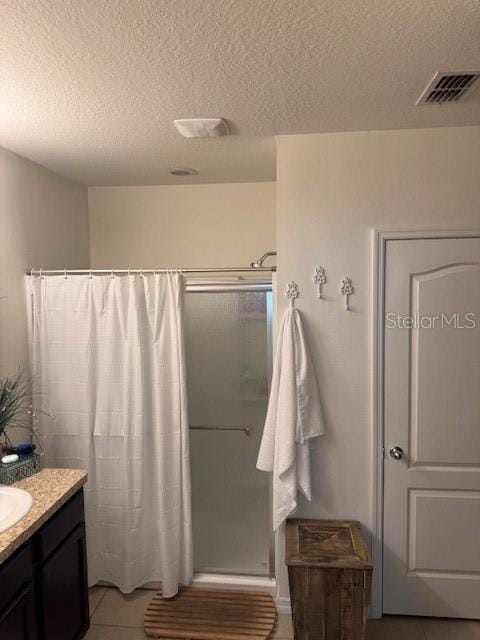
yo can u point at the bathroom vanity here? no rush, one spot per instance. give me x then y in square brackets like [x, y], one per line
[43, 568]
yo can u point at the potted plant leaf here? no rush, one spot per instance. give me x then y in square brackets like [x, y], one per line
[16, 412]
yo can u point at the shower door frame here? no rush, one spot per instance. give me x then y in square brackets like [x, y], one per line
[247, 285]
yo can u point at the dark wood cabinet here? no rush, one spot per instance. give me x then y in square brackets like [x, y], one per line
[64, 590]
[17, 598]
[18, 619]
[43, 586]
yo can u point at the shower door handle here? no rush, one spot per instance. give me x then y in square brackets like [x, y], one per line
[247, 430]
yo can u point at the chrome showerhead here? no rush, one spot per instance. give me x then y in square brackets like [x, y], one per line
[258, 264]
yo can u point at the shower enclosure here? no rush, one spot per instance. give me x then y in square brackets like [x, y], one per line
[228, 330]
[228, 346]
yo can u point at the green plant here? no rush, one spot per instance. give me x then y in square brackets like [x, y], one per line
[14, 402]
[16, 410]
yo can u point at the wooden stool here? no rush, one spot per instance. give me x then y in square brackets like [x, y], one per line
[330, 577]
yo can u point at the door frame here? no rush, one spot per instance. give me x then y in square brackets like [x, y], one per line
[380, 239]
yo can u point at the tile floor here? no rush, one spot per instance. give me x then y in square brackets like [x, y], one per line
[118, 617]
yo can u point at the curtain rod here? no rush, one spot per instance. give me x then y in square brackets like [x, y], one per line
[38, 272]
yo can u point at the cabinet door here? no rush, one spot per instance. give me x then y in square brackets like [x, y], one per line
[17, 620]
[64, 590]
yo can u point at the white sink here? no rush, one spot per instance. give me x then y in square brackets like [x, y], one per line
[14, 504]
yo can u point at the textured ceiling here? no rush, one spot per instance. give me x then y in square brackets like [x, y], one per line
[89, 88]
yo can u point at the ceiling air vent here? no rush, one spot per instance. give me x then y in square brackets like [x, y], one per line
[202, 127]
[448, 86]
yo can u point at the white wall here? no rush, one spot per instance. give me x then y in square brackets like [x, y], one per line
[332, 190]
[43, 223]
[208, 225]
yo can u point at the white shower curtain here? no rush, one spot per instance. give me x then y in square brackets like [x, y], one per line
[107, 356]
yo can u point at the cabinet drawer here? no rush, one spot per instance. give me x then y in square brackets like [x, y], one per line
[15, 573]
[60, 526]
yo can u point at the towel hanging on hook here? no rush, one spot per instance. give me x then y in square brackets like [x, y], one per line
[294, 416]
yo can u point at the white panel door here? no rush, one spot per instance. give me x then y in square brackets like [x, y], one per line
[432, 413]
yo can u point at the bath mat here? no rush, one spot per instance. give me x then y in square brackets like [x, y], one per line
[211, 614]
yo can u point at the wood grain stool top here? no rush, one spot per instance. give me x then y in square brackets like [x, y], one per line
[326, 543]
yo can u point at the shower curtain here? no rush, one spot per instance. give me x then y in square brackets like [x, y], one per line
[107, 356]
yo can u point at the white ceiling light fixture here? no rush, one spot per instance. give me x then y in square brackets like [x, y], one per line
[202, 127]
[183, 171]
[448, 86]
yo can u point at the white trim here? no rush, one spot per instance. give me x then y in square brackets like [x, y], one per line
[283, 605]
[221, 581]
[380, 239]
[231, 581]
[376, 608]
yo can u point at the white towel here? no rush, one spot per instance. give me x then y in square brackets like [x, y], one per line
[294, 417]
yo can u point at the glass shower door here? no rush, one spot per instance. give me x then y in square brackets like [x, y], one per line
[228, 354]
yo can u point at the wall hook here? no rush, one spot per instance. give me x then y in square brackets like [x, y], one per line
[346, 290]
[292, 292]
[319, 278]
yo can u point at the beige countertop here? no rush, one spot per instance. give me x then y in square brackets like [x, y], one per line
[50, 489]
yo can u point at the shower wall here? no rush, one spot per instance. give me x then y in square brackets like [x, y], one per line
[207, 225]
